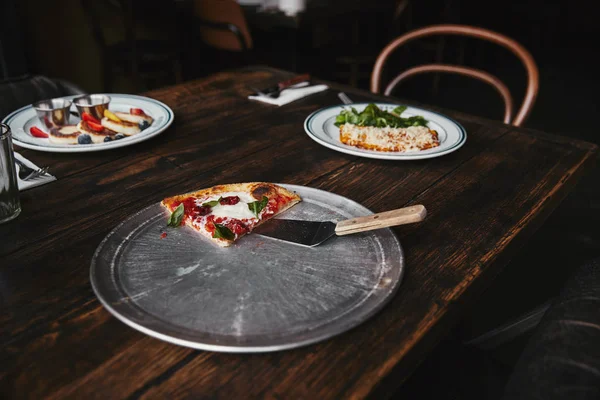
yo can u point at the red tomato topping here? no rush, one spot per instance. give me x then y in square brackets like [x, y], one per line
[189, 205]
[237, 227]
[203, 210]
[209, 223]
[163, 235]
[229, 201]
[37, 132]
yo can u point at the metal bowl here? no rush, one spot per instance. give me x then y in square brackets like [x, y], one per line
[93, 104]
[53, 112]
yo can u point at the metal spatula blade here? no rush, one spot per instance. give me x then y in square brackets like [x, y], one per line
[313, 233]
[305, 233]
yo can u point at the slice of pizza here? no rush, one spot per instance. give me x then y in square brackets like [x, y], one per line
[225, 213]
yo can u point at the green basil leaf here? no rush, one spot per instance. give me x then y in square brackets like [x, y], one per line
[374, 116]
[176, 216]
[340, 119]
[257, 206]
[223, 232]
[212, 203]
[399, 110]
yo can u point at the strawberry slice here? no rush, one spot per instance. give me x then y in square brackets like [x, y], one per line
[136, 111]
[37, 132]
[95, 126]
[89, 118]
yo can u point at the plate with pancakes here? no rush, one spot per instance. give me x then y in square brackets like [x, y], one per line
[84, 123]
[385, 131]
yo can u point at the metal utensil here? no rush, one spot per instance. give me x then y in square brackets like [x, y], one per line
[275, 91]
[10, 206]
[93, 104]
[27, 173]
[53, 112]
[313, 233]
[344, 98]
[258, 295]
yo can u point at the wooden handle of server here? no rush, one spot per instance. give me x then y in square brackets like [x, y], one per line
[401, 216]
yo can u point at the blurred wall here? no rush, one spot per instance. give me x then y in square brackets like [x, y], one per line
[60, 42]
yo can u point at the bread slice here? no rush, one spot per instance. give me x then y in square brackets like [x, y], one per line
[414, 138]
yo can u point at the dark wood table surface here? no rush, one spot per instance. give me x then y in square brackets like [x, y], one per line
[484, 202]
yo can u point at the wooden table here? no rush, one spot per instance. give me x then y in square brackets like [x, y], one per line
[484, 201]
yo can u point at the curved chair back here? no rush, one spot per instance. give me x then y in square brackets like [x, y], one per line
[469, 31]
[222, 24]
[23, 90]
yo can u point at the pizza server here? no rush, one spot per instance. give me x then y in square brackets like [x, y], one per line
[313, 233]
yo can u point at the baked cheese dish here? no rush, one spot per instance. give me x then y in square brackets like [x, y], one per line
[381, 130]
[413, 138]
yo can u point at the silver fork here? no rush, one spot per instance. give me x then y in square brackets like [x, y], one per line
[344, 98]
[27, 173]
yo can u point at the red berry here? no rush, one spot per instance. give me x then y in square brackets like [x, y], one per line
[89, 118]
[229, 201]
[37, 132]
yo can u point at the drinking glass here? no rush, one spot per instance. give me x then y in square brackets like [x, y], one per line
[10, 206]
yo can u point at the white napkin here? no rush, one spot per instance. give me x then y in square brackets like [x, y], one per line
[24, 185]
[290, 94]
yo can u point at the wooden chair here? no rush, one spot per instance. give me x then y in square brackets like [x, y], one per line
[469, 31]
[222, 25]
[140, 60]
[20, 91]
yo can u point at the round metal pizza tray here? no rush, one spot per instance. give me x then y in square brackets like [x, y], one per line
[258, 295]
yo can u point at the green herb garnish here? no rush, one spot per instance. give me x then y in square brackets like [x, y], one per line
[257, 206]
[221, 231]
[212, 203]
[374, 116]
[176, 216]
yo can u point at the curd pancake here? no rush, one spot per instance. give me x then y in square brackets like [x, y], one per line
[64, 134]
[139, 119]
[124, 127]
[225, 213]
[96, 136]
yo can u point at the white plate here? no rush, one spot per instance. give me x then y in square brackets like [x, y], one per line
[21, 120]
[320, 127]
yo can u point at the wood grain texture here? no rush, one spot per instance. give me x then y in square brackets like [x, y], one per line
[483, 202]
[401, 216]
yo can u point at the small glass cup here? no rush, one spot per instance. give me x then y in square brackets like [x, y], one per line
[53, 112]
[93, 104]
[10, 207]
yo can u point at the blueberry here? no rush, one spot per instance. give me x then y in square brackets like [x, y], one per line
[84, 139]
[108, 139]
[119, 136]
[144, 125]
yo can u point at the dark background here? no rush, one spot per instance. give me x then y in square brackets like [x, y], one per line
[53, 38]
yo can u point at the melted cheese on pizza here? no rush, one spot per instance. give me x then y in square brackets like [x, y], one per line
[239, 210]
